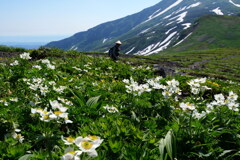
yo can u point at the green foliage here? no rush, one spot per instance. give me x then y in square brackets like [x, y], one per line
[116, 102]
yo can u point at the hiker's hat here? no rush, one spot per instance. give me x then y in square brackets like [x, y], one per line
[118, 42]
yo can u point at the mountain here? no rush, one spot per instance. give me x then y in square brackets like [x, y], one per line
[151, 30]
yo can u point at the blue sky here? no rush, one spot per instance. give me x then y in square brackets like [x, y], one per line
[62, 17]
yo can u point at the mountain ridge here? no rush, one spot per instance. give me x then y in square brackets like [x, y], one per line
[149, 31]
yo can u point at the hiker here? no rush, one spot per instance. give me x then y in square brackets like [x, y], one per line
[114, 51]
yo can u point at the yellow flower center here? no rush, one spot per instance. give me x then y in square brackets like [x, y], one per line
[72, 152]
[86, 145]
[70, 139]
[93, 137]
[18, 136]
[45, 117]
[45, 112]
[57, 113]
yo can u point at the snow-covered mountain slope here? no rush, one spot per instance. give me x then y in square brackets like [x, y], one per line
[150, 31]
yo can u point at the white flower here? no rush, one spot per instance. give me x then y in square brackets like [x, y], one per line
[209, 108]
[67, 102]
[43, 90]
[232, 96]
[50, 66]
[14, 99]
[88, 145]
[219, 99]
[36, 110]
[56, 105]
[187, 106]
[68, 140]
[47, 116]
[79, 69]
[70, 154]
[196, 85]
[25, 55]
[15, 63]
[37, 66]
[18, 137]
[59, 89]
[45, 61]
[111, 109]
[198, 115]
[52, 83]
[233, 106]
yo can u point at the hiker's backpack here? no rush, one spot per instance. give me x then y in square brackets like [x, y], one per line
[110, 52]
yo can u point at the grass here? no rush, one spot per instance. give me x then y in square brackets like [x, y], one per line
[219, 63]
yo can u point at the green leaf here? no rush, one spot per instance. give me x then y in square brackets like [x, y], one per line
[26, 157]
[161, 148]
[225, 152]
[92, 101]
[168, 143]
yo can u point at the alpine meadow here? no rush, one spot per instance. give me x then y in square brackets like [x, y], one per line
[172, 94]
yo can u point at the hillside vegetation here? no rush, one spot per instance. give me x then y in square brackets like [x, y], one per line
[220, 63]
[68, 105]
[211, 32]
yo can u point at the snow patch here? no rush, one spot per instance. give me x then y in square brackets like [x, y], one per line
[130, 50]
[160, 46]
[183, 39]
[170, 30]
[180, 17]
[154, 15]
[194, 5]
[170, 23]
[104, 40]
[217, 11]
[186, 25]
[72, 47]
[144, 31]
[235, 4]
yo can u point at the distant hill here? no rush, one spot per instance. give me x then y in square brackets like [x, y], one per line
[152, 30]
[210, 32]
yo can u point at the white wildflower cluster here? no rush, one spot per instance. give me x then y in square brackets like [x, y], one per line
[219, 100]
[25, 55]
[170, 89]
[16, 135]
[37, 84]
[142, 67]
[155, 83]
[14, 99]
[192, 108]
[111, 109]
[37, 67]
[48, 63]
[187, 106]
[59, 89]
[229, 101]
[78, 69]
[15, 63]
[4, 102]
[135, 88]
[58, 113]
[65, 101]
[196, 85]
[87, 145]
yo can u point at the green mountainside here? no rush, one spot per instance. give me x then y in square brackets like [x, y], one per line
[211, 31]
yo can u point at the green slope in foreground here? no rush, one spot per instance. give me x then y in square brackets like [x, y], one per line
[68, 105]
